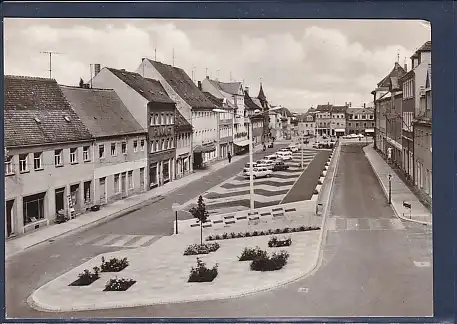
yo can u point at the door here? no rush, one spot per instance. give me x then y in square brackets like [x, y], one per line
[124, 184]
[60, 199]
[142, 178]
[9, 217]
[102, 190]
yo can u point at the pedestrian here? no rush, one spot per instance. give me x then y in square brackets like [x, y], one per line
[229, 156]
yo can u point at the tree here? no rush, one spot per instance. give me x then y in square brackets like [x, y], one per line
[81, 82]
[201, 214]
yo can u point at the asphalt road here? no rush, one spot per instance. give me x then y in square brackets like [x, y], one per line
[363, 273]
[34, 267]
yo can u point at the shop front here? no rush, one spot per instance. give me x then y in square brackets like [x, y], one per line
[241, 147]
[204, 154]
[161, 168]
[340, 132]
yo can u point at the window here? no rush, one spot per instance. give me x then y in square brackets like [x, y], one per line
[86, 155]
[135, 146]
[101, 151]
[152, 146]
[355, 116]
[356, 124]
[113, 149]
[9, 165]
[87, 195]
[162, 119]
[37, 161]
[364, 124]
[163, 144]
[73, 155]
[58, 158]
[116, 183]
[157, 147]
[151, 120]
[142, 145]
[172, 119]
[130, 179]
[124, 147]
[23, 163]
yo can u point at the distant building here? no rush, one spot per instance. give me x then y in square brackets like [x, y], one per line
[307, 124]
[408, 108]
[338, 120]
[183, 131]
[360, 120]
[323, 119]
[49, 163]
[119, 154]
[257, 120]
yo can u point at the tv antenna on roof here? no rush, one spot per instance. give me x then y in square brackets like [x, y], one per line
[50, 60]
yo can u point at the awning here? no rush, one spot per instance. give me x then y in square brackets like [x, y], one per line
[369, 130]
[340, 130]
[242, 143]
[204, 148]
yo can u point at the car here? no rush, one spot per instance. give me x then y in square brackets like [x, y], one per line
[266, 164]
[247, 166]
[271, 157]
[284, 150]
[280, 166]
[293, 148]
[284, 156]
[258, 172]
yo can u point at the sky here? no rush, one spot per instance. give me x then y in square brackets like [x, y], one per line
[301, 63]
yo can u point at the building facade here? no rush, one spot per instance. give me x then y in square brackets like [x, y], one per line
[307, 124]
[255, 117]
[118, 152]
[196, 108]
[338, 122]
[183, 131]
[46, 171]
[360, 120]
[408, 107]
[266, 120]
[323, 120]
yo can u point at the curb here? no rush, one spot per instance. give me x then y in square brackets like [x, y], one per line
[386, 194]
[95, 223]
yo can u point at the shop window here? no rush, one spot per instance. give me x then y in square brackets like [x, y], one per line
[33, 208]
[116, 183]
[87, 195]
[130, 179]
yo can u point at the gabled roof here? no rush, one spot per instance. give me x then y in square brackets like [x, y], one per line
[183, 85]
[249, 103]
[397, 72]
[426, 47]
[181, 124]
[359, 110]
[102, 111]
[339, 109]
[324, 108]
[408, 75]
[36, 113]
[227, 87]
[257, 102]
[150, 89]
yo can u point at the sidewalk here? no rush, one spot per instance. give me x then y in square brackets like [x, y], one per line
[116, 209]
[400, 191]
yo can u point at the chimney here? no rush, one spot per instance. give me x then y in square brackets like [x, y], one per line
[246, 89]
[96, 69]
[364, 105]
[200, 85]
[207, 77]
[406, 67]
[350, 104]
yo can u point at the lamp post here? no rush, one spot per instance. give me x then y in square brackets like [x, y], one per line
[301, 146]
[390, 189]
[175, 207]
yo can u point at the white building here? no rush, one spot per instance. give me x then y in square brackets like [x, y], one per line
[191, 103]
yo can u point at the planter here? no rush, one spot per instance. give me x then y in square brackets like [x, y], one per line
[119, 284]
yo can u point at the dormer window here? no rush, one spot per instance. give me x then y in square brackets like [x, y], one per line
[67, 119]
[38, 120]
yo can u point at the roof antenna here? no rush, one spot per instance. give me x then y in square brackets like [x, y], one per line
[206, 71]
[50, 61]
[398, 56]
[173, 62]
[155, 49]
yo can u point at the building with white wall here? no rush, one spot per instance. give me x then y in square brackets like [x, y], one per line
[119, 150]
[191, 103]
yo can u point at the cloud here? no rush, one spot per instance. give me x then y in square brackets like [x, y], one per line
[300, 63]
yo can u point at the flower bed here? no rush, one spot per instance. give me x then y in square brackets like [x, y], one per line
[114, 265]
[265, 263]
[270, 231]
[250, 254]
[201, 273]
[275, 242]
[205, 248]
[86, 278]
[120, 284]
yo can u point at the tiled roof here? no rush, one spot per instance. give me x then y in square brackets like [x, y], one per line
[227, 87]
[216, 101]
[257, 102]
[36, 113]
[408, 75]
[183, 85]
[102, 111]
[249, 103]
[323, 108]
[150, 89]
[339, 109]
[261, 95]
[397, 72]
[359, 110]
[181, 124]
[426, 47]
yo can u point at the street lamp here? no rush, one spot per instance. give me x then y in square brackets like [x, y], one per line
[176, 207]
[251, 173]
[390, 189]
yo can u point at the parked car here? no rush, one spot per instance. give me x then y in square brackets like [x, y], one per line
[269, 164]
[258, 172]
[247, 166]
[271, 157]
[293, 148]
[284, 155]
[280, 166]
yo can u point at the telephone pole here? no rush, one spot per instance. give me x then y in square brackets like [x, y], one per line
[50, 53]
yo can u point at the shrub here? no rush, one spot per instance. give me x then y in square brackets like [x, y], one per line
[275, 242]
[315, 192]
[209, 238]
[118, 284]
[86, 277]
[201, 273]
[250, 254]
[255, 233]
[248, 234]
[204, 248]
[294, 229]
[319, 182]
[270, 231]
[239, 235]
[277, 231]
[265, 263]
[262, 233]
[232, 235]
[218, 237]
[225, 236]
[286, 230]
[302, 228]
[114, 265]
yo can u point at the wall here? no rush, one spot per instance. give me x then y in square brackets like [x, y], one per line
[135, 103]
[46, 179]
[420, 76]
[423, 156]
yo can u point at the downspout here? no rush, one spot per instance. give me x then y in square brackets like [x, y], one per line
[93, 172]
[375, 120]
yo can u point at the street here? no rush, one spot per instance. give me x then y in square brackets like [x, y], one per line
[372, 264]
